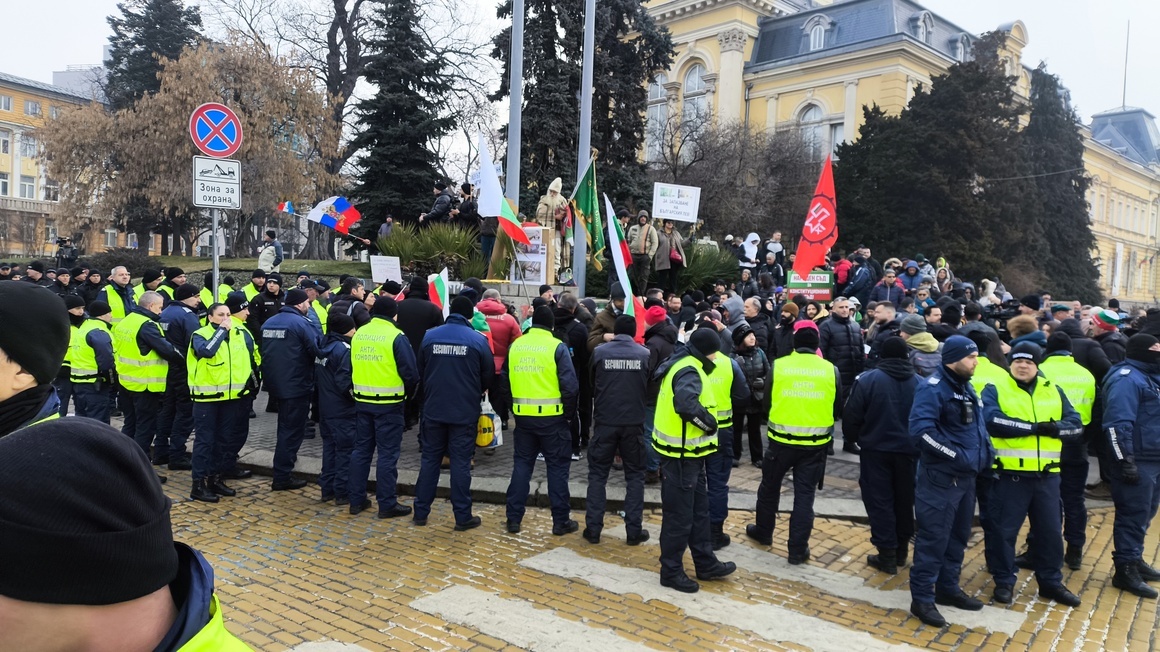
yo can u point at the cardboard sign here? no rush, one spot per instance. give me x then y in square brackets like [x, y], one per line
[386, 268]
[817, 286]
[673, 202]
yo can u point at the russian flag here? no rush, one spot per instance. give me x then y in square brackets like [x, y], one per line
[286, 207]
[336, 213]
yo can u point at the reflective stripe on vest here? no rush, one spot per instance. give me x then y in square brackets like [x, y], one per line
[535, 384]
[374, 370]
[801, 410]
[1033, 452]
[136, 372]
[722, 382]
[672, 435]
[224, 376]
[1077, 383]
[82, 357]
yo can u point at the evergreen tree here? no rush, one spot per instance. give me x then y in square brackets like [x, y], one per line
[145, 31]
[397, 123]
[1055, 149]
[553, 54]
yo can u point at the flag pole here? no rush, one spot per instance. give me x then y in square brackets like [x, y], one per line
[584, 153]
[516, 101]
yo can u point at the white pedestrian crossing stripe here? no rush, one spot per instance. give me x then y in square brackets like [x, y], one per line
[519, 622]
[771, 622]
[993, 619]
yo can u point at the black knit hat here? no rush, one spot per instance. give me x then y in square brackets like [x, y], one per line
[616, 292]
[35, 265]
[73, 301]
[99, 309]
[340, 323]
[1026, 351]
[184, 292]
[705, 341]
[1138, 348]
[258, 273]
[84, 515]
[1032, 301]
[296, 297]
[545, 288]
[237, 302]
[806, 338]
[150, 275]
[893, 347]
[275, 277]
[27, 308]
[76, 271]
[542, 316]
[463, 307]
[173, 272]
[625, 325]
[385, 307]
[1059, 341]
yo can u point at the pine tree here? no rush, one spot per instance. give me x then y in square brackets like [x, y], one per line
[1055, 149]
[553, 54]
[145, 31]
[397, 123]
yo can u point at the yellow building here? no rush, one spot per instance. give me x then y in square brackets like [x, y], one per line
[773, 64]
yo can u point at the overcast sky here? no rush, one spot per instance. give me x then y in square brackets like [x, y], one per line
[1081, 40]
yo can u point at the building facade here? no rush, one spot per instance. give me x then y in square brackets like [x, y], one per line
[776, 64]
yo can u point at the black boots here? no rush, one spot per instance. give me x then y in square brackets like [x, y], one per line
[202, 491]
[720, 539]
[885, 561]
[1073, 557]
[1127, 578]
[219, 487]
[927, 613]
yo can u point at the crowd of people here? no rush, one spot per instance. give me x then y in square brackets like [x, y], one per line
[949, 398]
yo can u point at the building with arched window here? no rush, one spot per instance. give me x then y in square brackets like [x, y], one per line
[812, 65]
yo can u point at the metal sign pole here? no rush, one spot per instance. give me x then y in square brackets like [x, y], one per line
[213, 240]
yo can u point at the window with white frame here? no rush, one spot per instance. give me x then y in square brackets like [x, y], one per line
[27, 146]
[923, 27]
[131, 240]
[4, 182]
[657, 116]
[27, 187]
[51, 190]
[812, 132]
[50, 230]
[5, 141]
[962, 48]
[31, 107]
[53, 111]
[817, 38]
[110, 238]
[696, 93]
[5, 102]
[837, 137]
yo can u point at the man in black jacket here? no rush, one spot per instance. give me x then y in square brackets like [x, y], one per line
[841, 343]
[660, 339]
[620, 376]
[571, 332]
[352, 301]
[416, 315]
[877, 417]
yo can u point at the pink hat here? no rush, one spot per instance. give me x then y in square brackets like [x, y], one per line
[804, 323]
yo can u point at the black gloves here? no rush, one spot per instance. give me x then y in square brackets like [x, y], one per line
[1047, 429]
[1129, 471]
[709, 428]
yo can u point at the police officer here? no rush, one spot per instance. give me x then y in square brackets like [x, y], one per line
[207, 295]
[75, 306]
[1132, 426]
[732, 394]
[119, 294]
[332, 374]
[1079, 385]
[877, 416]
[257, 284]
[143, 359]
[1028, 417]
[178, 321]
[91, 357]
[538, 376]
[150, 281]
[290, 346]
[805, 400]
[620, 374]
[29, 364]
[457, 367]
[233, 442]
[222, 359]
[946, 425]
[986, 373]
[317, 313]
[384, 373]
[685, 433]
[174, 278]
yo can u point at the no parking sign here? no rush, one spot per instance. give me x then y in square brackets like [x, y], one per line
[215, 129]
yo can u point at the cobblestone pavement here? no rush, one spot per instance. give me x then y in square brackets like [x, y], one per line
[294, 573]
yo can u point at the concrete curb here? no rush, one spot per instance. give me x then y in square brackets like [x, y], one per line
[493, 490]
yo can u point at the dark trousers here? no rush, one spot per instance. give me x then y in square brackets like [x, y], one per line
[214, 421]
[291, 429]
[718, 468]
[64, 391]
[486, 245]
[1135, 508]
[377, 426]
[125, 400]
[652, 457]
[457, 442]
[809, 469]
[532, 436]
[338, 435]
[641, 266]
[983, 487]
[668, 277]
[1014, 498]
[684, 517]
[750, 423]
[235, 439]
[1072, 478]
[92, 400]
[887, 483]
[606, 442]
[176, 419]
[145, 406]
[944, 507]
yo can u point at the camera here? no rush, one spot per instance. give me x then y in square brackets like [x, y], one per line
[998, 315]
[60, 242]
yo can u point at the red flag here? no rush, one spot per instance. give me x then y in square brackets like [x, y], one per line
[820, 231]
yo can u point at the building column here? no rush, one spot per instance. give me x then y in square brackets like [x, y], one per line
[850, 119]
[730, 89]
[771, 111]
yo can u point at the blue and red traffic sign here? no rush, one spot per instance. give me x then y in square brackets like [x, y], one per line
[215, 129]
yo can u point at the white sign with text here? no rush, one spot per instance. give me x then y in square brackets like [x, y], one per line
[673, 202]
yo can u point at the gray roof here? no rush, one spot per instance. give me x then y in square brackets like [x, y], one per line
[43, 87]
[1131, 132]
[856, 24]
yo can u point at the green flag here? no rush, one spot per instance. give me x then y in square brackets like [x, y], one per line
[586, 207]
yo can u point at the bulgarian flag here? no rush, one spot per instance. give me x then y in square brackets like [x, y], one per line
[437, 292]
[586, 213]
[491, 200]
[633, 305]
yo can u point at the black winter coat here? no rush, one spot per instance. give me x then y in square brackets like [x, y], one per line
[781, 343]
[841, 344]
[660, 340]
[762, 329]
[877, 414]
[755, 365]
[415, 316]
[1115, 345]
[1087, 352]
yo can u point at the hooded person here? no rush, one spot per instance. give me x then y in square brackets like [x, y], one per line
[552, 211]
[28, 365]
[923, 349]
[749, 253]
[570, 331]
